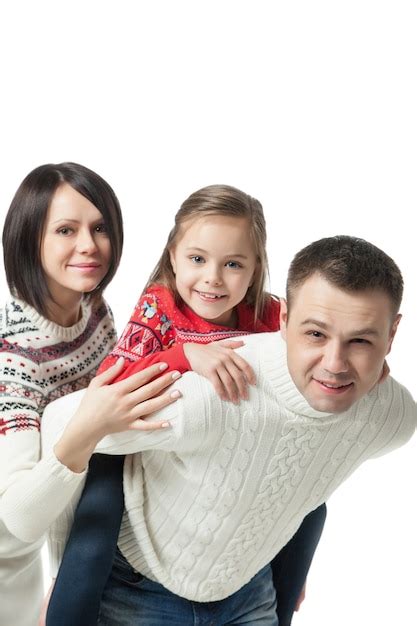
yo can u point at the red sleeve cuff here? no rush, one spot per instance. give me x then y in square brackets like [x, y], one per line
[174, 357]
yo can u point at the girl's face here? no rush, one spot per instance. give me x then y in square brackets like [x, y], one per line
[214, 265]
[75, 248]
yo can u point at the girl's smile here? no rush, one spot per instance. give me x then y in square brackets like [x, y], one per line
[214, 264]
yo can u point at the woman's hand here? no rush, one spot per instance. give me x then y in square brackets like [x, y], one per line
[106, 409]
[226, 370]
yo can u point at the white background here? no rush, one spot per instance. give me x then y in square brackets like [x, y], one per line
[309, 106]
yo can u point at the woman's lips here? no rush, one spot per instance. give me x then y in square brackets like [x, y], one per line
[85, 267]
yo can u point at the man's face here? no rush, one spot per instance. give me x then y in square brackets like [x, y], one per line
[337, 342]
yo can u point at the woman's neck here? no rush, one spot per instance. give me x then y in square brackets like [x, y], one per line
[64, 314]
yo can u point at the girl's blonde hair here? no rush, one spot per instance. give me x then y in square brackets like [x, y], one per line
[228, 201]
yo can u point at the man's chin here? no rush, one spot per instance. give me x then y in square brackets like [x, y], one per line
[330, 405]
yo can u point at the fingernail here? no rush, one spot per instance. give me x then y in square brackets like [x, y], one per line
[119, 360]
[175, 375]
[165, 425]
[163, 366]
[175, 394]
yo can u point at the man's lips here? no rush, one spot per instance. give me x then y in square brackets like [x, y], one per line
[333, 388]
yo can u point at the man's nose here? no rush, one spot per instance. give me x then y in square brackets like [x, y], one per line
[335, 359]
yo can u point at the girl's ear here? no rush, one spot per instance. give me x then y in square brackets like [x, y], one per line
[172, 259]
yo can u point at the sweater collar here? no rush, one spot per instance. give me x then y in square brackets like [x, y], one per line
[284, 385]
[64, 333]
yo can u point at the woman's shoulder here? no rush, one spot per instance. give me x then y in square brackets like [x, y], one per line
[14, 320]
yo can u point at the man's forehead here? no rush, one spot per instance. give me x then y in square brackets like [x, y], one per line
[320, 301]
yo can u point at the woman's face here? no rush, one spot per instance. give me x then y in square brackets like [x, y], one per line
[75, 247]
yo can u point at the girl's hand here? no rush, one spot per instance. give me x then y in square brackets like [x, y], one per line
[226, 370]
[106, 409]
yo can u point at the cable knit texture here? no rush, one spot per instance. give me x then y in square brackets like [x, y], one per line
[213, 499]
[40, 361]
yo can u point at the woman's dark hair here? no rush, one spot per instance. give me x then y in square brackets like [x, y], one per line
[25, 221]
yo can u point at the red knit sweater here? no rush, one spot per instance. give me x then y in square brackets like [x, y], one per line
[158, 325]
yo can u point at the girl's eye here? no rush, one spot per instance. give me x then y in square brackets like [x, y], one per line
[197, 259]
[233, 265]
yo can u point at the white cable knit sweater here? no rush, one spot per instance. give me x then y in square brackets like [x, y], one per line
[214, 498]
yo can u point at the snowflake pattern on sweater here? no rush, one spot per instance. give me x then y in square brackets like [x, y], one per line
[41, 361]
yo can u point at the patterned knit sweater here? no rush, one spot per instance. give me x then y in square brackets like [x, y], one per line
[214, 498]
[39, 362]
[158, 324]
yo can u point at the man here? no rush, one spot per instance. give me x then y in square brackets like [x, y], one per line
[211, 500]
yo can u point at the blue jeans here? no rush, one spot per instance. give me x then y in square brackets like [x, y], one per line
[290, 567]
[130, 599]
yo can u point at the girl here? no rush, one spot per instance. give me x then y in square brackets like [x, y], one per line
[207, 286]
[62, 242]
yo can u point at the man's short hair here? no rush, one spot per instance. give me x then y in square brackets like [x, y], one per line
[350, 263]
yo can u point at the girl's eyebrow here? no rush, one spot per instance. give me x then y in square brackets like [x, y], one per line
[197, 249]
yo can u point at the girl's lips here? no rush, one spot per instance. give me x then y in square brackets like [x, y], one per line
[210, 297]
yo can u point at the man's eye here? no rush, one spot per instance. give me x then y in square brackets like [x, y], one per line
[315, 334]
[197, 259]
[360, 340]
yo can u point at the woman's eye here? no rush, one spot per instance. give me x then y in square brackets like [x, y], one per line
[101, 228]
[64, 230]
[197, 259]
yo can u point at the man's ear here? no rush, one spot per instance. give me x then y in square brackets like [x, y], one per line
[283, 318]
[393, 331]
[172, 259]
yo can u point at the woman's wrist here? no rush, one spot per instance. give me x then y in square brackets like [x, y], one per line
[74, 449]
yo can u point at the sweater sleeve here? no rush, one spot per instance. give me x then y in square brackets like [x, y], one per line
[148, 338]
[32, 491]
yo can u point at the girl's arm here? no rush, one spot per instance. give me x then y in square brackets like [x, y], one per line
[148, 338]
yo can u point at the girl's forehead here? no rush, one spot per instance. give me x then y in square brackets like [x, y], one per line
[203, 223]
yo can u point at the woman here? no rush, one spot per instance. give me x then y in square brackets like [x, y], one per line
[62, 244]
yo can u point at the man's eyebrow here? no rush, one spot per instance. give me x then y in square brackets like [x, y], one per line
[368, 330]
[197, 249]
